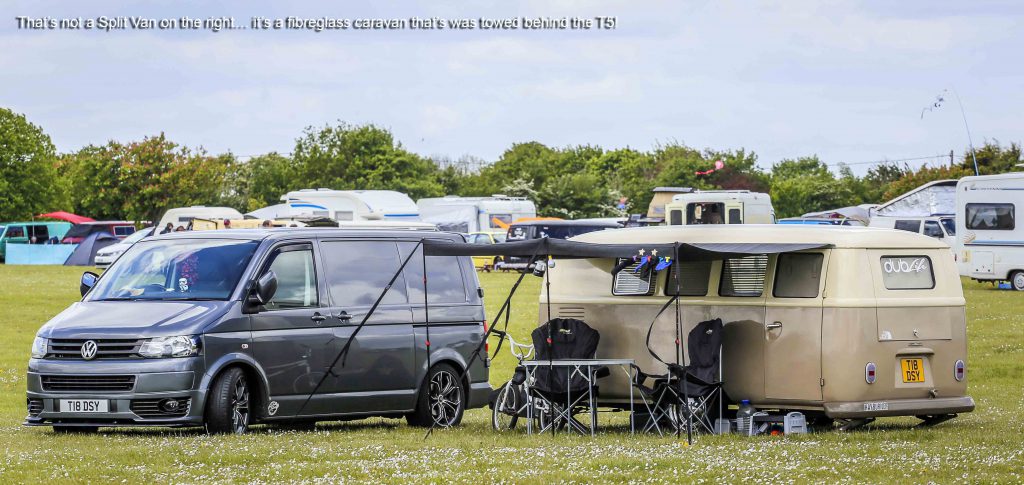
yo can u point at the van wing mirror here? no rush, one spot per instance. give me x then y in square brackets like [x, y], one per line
[88, 281]
[265, 288]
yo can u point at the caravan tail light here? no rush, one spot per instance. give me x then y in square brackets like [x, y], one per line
[959, 370]
[869, 373]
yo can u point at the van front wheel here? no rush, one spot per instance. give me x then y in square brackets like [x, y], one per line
[227, 405]
[1017, 279]
[441, 401]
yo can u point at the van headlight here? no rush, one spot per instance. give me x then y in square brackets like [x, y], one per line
[178, 346]
[39, 348]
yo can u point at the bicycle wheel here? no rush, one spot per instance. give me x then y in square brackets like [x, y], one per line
[505, 414]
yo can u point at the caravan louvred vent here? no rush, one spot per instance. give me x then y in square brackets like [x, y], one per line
[630, 282]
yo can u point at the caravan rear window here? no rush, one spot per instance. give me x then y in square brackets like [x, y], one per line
[990, 217]
[798, 275]
[743, 276]
[907, 273]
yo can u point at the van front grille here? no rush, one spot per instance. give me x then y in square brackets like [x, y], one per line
[107, 348]
[35, 406]
[156, 408]
[93, 383]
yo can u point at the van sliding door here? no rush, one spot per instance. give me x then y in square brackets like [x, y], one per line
[792, 333]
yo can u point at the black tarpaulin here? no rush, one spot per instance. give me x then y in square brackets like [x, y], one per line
[561, 248]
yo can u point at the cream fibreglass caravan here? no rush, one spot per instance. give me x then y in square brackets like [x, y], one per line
[720, 207]
[872, 324]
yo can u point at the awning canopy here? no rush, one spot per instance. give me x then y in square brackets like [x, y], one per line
[66, 216]
[561, 248]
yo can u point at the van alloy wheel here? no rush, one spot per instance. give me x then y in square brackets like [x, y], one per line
[240, 406]
[229, 403]
[1017, 279]
[445, 398]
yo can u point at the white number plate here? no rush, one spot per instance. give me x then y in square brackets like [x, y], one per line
[876, 406]
[84, 405]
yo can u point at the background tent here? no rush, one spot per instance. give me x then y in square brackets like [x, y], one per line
[85, 253]
[66, 216]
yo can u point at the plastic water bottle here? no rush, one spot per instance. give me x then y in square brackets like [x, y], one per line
[745, 417]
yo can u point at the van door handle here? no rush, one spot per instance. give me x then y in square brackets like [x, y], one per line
[317, 317]
[773, 325]
[344, 317]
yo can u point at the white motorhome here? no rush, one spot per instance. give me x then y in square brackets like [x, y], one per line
[342, 205]
[475, 214]
[989, 244]
[183, 216]
[720, 207]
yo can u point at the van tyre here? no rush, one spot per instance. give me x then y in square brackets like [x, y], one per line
[1017, 280]
[228, 407]
[442, 399]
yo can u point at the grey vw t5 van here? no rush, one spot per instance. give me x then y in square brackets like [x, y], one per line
[224, 329]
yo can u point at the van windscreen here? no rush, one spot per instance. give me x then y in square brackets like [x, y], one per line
[176, 269]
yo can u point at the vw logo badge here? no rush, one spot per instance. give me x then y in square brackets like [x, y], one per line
[89, 349]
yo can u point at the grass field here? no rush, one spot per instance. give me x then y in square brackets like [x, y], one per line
[984, 446]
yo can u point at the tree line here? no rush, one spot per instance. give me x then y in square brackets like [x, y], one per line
[139, 180]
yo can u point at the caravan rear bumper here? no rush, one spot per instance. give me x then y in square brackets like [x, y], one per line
[899, 407]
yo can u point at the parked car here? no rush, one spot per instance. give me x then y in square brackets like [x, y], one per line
[223, 329]
[486, 263]
[557, 229]
[30, 233]
[78, 232]
[107, 255]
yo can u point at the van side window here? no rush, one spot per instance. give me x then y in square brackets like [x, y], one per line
[15, 231]
[743, 276]
[445, 282]
[675, 218]
[358, 271]
[693, 278]
[296, 279]
[908, 225]
[907, 272]
[990, 217]
[630, 282]
[798, 275]
[123, 230]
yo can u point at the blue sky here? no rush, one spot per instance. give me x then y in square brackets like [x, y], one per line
[844, 80]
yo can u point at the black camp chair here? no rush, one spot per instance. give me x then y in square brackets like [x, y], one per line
[687, 394]
[560, 392]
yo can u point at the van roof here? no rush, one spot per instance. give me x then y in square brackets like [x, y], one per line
[836, 236]
[290, 232]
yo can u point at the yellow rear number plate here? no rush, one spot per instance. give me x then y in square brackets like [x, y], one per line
[913, 370]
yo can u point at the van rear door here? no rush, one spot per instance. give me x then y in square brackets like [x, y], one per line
[793, 312]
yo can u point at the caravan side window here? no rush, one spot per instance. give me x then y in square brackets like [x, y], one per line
[990, 217]
[743, 276]
[628, 283]
[908, 225]
[693, 278]
[798, 275]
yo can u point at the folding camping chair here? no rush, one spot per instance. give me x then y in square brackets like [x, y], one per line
[560, 392]
[690, 393]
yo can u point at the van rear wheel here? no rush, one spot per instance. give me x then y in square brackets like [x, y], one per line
[441, 401]
[227, 405]
[1017, 280]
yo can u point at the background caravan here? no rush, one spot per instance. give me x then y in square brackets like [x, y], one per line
[720, 207]
[989, 245]
[825, 331]
[342, 205]
[475, 214]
